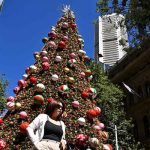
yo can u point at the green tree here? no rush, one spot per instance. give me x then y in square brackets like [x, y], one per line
[137, 14]
[110, 100]
[3, 85]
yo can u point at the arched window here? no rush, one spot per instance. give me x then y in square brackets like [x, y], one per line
[146, 126]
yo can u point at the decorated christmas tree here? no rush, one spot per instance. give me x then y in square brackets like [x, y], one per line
[59, 72]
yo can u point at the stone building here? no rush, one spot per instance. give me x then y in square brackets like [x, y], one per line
[134, 70]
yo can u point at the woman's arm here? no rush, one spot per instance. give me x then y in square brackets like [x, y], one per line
[35, 124]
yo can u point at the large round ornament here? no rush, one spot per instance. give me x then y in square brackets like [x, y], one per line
[84, 94]
[98, 110]
[2, 144]
[81, 121]
[33, 69]
[91, 114]
[40, 87]
[27, 70]
[72, 55]
[1, 121]
[58, 59]
[72, 62]
[10, 99]
[23, 127]
[10, 105]
[94, 142]
[65, 25]
[38, 99]
[44, 53]
[65, 38]
[21, 83]
[16, 90]
[107, 147]
[52, 34]
[75, 104]
[82, 74]
[52, 44]
[23, 114]
[44, 59]
[45, 40]
[17, 105]
[25, 76]
[88, 72]
[62, 45]
[81, 52]
[45, 66]
[81, 139]
[66, 69]
[63, 88]
[33, 80]
[55, 77]
[71, 80]
[73, 26]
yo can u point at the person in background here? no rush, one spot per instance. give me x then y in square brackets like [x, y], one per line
[47, 131]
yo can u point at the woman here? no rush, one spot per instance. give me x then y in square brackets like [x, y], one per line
[47, 131]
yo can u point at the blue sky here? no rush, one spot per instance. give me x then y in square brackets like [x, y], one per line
[23, 24]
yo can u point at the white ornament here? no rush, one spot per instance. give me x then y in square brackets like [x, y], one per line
[33, 68]
[40, 87]
[94, 142]
[44, 53]
[54, 77]
[58, 59]
[25, 76]
[81, 121]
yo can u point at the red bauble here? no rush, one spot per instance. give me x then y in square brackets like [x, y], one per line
[27, 70]
[50, 100]
[84, 94]
[21, 83]
[91, 113]
[33, 80]
[81, 139]
[1, 121]
[23, 127]
[73, 25]
[62, 44]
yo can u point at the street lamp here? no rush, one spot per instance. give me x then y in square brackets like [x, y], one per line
[116, 135]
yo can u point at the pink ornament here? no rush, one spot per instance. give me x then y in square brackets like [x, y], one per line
[21, 83]
[75, 104]
[101, 125]
[82, 74]
[45, 66]
[81, 138]
[97, 127]
[52, 44]
[72, 55]
[2, 144]
[44, 59]
[16, 90]
[65, 38]
[52, 34]
[10, 105]
[10, 99]
[23, 114]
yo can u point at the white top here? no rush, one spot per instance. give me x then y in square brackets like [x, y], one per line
[38, 124]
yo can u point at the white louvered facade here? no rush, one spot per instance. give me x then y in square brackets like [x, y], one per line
[107, 36]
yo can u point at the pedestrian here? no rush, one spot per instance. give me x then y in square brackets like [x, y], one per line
[47, 131]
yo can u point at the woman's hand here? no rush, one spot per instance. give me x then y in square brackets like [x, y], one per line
[62, 145]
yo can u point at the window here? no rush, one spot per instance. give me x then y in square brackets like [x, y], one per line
[146, 126]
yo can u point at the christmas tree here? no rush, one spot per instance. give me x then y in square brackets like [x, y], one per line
[59, 72]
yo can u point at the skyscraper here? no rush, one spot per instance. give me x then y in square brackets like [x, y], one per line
[109, 30]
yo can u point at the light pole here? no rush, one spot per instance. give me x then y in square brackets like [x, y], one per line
[116, 135]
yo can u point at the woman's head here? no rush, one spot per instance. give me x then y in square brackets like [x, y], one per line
[55, 109]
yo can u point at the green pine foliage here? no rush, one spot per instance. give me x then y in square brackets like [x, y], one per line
[110, 100]
[3, 85]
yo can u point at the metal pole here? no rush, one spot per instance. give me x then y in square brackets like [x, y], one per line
[116, 136]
